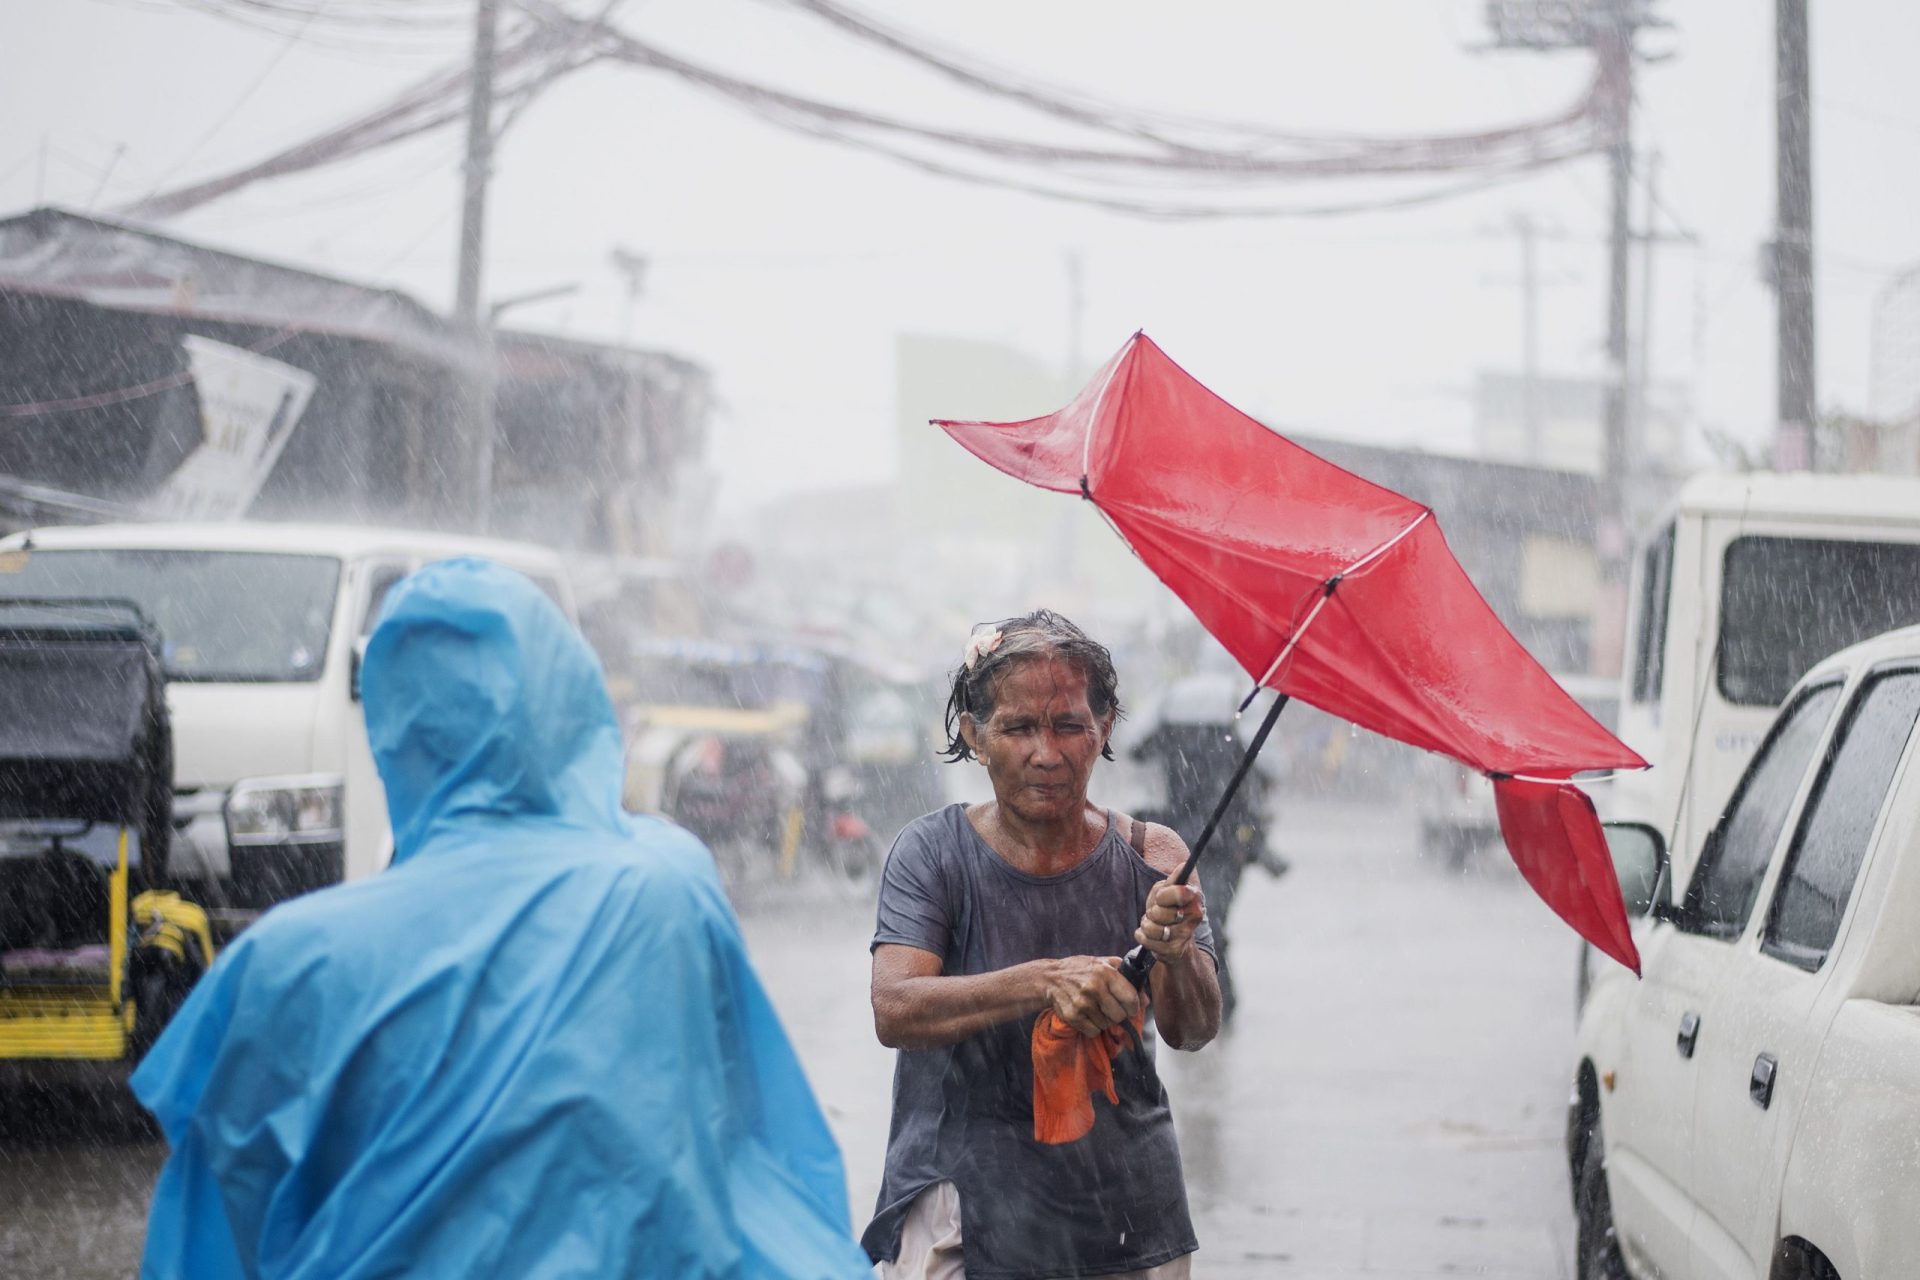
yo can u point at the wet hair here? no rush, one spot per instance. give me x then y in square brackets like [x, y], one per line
[1032, 636]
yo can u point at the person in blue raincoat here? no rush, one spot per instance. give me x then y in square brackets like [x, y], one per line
[532, 1047]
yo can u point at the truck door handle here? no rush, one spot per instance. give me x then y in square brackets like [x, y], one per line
[1689, 1032]
[1760, 1088]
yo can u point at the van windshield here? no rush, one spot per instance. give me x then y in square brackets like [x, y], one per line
[1786, 603]
[222, 615]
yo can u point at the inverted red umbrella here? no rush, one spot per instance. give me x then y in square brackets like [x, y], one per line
[1329, 588]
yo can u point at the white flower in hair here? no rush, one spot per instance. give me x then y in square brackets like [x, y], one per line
[980, 644]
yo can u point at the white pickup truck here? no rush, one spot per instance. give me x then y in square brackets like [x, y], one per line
[1751, 1108]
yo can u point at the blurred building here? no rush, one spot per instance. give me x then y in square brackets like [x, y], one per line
[99, 404]
[1557, 422]
[599, 447]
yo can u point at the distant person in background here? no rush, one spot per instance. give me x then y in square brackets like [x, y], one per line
[1031, 1134]
[532, 1047]
[1193, 740]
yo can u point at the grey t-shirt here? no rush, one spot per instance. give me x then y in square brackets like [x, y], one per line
[1113, 1201]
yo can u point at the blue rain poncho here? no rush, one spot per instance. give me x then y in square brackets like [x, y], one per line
[532, 1047]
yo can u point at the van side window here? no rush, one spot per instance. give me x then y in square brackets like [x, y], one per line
[1724, 887]
[1786, 603]
[1831, 844]
[1650, 637]
[382, 581]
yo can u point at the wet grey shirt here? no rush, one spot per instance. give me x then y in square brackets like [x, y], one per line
[1112, 1201]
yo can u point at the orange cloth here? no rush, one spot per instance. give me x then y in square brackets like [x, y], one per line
[1067, 1070]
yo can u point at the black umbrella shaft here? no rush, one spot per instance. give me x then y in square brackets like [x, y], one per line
[1139, 961]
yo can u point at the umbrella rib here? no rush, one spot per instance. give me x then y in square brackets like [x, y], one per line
[1570, 780]
[1386, 546]
[1299, 632]
[1327, 594]
[1093, 423]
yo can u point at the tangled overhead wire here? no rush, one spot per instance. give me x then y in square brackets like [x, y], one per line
[1123, 159]
[525, 64]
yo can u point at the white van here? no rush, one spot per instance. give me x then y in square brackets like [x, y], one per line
[1749, 581]
[261, 626]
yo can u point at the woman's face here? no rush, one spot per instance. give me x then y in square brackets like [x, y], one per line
[1040, 743]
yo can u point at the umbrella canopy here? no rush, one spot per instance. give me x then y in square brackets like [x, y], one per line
[1329, 588]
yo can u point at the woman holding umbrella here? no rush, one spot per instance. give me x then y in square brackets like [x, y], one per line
[996, 974]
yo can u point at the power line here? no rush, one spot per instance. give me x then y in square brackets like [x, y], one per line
[529, 61]
[246, 96]
[1146, 153]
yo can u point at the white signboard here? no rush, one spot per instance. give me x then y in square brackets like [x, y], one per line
[248, 408]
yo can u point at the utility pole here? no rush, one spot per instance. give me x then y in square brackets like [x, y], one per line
[1613, 47]
[1076, 261]
[1533, 409]
[1636, 449]
[1792, 259]
[1070, 513]
[1530, 339]
[1608, 29]
[473, 217]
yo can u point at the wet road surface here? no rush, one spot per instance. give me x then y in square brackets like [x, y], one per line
[76, 1170]
[1388, 1104]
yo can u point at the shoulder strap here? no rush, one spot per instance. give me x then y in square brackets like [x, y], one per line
[1137, 837]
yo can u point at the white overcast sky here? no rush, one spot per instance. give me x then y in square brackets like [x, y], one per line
[787, 265]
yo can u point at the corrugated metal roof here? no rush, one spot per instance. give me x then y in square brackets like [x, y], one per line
[127, 268]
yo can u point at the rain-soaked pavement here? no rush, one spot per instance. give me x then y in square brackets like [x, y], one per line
[1389, 1103]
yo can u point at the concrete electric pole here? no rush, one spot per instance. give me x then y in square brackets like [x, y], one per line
[1613, 46]
[473, 217]
[1642, 378]
[1608, 29]
[1792, 258]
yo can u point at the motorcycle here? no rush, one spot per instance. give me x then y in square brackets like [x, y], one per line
[828, 829]
[750, 797]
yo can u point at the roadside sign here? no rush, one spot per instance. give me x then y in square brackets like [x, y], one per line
[249, 406]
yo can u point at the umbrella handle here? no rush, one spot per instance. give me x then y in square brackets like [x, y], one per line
[1138, 963]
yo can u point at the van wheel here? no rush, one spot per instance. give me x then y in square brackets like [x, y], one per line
[1597, 1248]
[1795, 1259]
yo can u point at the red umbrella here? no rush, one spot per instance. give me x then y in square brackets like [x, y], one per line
[1332, 589]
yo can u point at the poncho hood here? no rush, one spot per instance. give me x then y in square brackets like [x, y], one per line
[483, 703]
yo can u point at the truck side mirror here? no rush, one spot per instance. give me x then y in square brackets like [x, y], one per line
[353, 668]
[1639, 861]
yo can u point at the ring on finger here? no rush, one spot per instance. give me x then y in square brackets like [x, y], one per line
[1165, 933]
